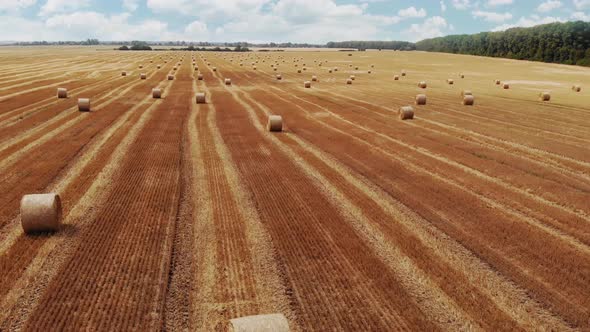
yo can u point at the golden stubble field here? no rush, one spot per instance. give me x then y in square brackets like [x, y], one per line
[181, 216]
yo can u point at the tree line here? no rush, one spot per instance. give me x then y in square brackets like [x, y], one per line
[374, 45]
[567, 43]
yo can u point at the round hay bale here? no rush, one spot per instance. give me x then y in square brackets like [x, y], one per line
[422, 85]
[330, 71]
[140, 66]
[174, 68]
[497, 82]
[335, 68]
[545, 96]
[462, 76]
[274, 69]
[156, 93]
[421, 99]
[576, 88]
[200, 77]
[254, 68]
[314, 78]
[403, 73]
[406, 112]
[201, 98]
[356, 68]
[227, 81]
[40, 213]
[369, 72]
[159, 66]
[396, 77]
[62, 93]
[123, 73]
[142, 76]
[260, 323]
[352, 77]
[348, 81]
[84, 104]
[214, 68]
[468, 100]
[450, 81]
[307, 84]
[279, 77]
[170, 77]
[505, 86]
[275, 123]
[466, 93]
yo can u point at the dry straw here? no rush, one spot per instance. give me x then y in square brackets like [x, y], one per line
[279, 77]
[468, 100]
[123, 73]
[275, 123]
[450, 81]
[200, 77]
[352, 77]
[422, 85]
[260, 323]
[227, 81]
[576, 88]
[421, 99]
[170, 77]
[156, 93]
[544, 96]
[403, 73]
[497, 82]
[83, 104]
[40, 212]
[62, 93]
[406, 112]
[506, 86]
[142, 76]
[396, 77]
[349, 81]
[307, 84]
[201, 98]
[314, 78]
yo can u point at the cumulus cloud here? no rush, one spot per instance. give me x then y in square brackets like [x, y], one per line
[131, 5]
[412, 12]
[492, 16]
[529, 22]
[549, 5]
[15, 5]
[494, 3]
[461, 4]
[580, 16]
[63, 6]
[582, 4]
[430, 28]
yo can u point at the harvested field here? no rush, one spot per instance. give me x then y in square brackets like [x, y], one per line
[181, 213]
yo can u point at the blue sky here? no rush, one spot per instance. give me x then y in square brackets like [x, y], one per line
[314, 21]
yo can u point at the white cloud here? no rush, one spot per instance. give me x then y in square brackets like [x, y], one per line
[580, 16]
[492, 16]
[197, 31]
[443, 6]
[582, 4]
[431, 27]
[131, 5]
[529, 22]
[461, 4]
[412, 12]
[494, 3]
[15, 5]
[549, 5]
[63, 6]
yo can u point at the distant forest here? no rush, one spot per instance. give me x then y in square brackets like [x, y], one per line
[567, 43]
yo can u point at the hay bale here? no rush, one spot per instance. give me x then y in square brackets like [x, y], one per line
[279, 77]
[142, 76]
[201, 98]
[307, 84]
[83, 104]
[576, 88]
[462, 76]
[403, 73]
[468, 100]
[254, 68]
[544, 96]
[348, 81]
[497, 82]
[314, 78]
[422, 85]
[40, 213]
[352, 77]
[62, 93]
[505, 86]
[174, 68]
[275, 123]
[140, 66]
[335, 68]
[368, 72]
[421, 99]
[123, 73]
[406, 112]
[330, 71]
[156, 93]
[396, 77]
[158, 66]
[227, 81]
[260, 323]
[170, 77]
[466, 93]
[450, 81]
[214, 68]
